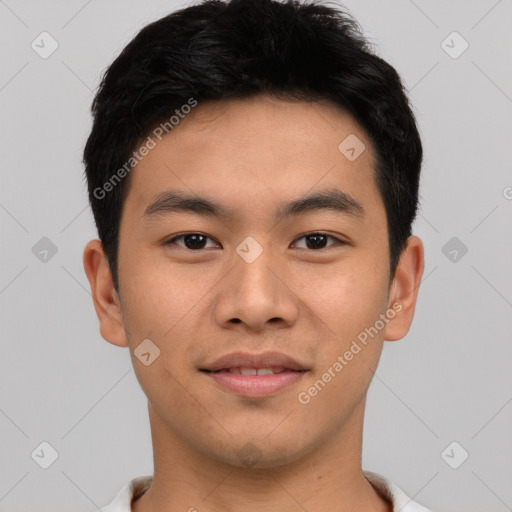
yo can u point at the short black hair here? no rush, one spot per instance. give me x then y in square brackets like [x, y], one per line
[219, 50]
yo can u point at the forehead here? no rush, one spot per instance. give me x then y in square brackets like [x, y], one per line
[249, 151]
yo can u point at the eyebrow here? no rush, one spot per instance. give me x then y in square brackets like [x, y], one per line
[332, 199]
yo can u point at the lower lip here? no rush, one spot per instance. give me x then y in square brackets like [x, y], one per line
[255, 386]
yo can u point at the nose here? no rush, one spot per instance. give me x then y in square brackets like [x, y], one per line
[256, 294]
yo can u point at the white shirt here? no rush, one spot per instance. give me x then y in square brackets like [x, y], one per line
[138, 486]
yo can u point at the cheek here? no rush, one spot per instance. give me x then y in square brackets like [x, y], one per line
[159, 299]
[349, 350]
[347, 300]
[168, 309]
[160, 307]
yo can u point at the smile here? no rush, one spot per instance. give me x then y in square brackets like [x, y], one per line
[255, 382]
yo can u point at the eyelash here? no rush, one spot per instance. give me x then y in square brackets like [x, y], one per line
[339, 242]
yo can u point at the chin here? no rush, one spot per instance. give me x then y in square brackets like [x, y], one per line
[259, 453]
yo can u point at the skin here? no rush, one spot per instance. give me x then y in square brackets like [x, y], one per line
[252, 155]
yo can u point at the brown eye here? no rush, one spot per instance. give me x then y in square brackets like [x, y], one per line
[316, 241]
[192, 241]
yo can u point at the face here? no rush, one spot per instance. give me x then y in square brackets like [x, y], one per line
[247, 275]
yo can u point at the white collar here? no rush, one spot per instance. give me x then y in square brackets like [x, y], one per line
[401, 502]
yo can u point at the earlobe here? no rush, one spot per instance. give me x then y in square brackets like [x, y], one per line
[404, 289]
[105, 298]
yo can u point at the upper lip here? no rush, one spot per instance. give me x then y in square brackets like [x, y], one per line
[247, 360]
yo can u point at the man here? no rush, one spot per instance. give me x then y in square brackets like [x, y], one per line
[253, 172]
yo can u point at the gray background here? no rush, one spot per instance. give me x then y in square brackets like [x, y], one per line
[448, 380]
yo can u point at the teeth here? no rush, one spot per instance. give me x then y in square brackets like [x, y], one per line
[256, 371]
[248, 371]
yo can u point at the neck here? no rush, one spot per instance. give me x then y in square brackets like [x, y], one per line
[330, 477]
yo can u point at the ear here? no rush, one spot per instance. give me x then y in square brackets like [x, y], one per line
[104, 295]
[404, 289]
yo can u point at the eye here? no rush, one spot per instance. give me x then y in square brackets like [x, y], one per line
[317, 240]
[197, 241]
[192, 241]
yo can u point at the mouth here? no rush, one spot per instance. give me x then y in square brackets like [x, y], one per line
[254, 371]
[255, 382]
[255, 375]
